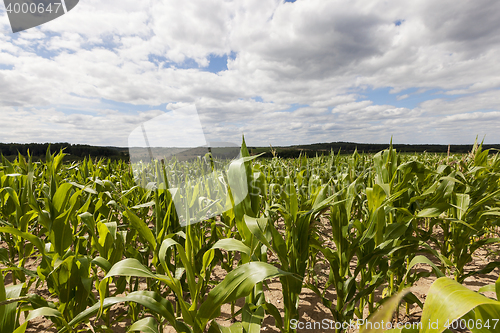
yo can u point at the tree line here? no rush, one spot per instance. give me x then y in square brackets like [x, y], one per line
[76, 151]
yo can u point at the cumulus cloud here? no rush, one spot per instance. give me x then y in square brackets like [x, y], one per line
[296, 72]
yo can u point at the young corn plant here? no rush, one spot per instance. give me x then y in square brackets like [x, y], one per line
[196, 315]
[292, 248]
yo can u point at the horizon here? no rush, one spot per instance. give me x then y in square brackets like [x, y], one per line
[284, 73]
[252, 146]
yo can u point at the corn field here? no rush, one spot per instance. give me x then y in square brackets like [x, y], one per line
[99, 239]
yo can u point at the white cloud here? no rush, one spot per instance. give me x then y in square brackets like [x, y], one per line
[481, 101]
[318, 54]
[351, 106]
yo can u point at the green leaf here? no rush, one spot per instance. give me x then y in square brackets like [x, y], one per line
[255, 227]
[44, 312]
[383, 314]
[238, 283]
[3, 297]
[403, 330]
[490, 288]
[434, 211]
[497, 288]
[8, 321]
[144, 205]
[187, 265]
[273, 311]
[84, 188]
[62, 233]
[61, 197]
[22, 328]
[293, 204]
[141, 228]
[151, 300]
[234, 328]
[423, 260]
[146, 325]
[31, 238]
[103, 263]
[443, 293]
[130, 267]
[4, 255]
[375, 196]
[230, 244]
[252, 319]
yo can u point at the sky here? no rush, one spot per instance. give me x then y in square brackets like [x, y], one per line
[281, 73]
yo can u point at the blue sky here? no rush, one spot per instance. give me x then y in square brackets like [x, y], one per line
[279, 72]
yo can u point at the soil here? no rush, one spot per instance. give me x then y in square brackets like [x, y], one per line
[310, 310]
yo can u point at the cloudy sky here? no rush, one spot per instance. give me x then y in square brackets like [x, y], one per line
[282, 73]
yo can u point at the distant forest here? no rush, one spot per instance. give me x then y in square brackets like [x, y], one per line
[349, 147]
[78, 152]
[74, 152]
